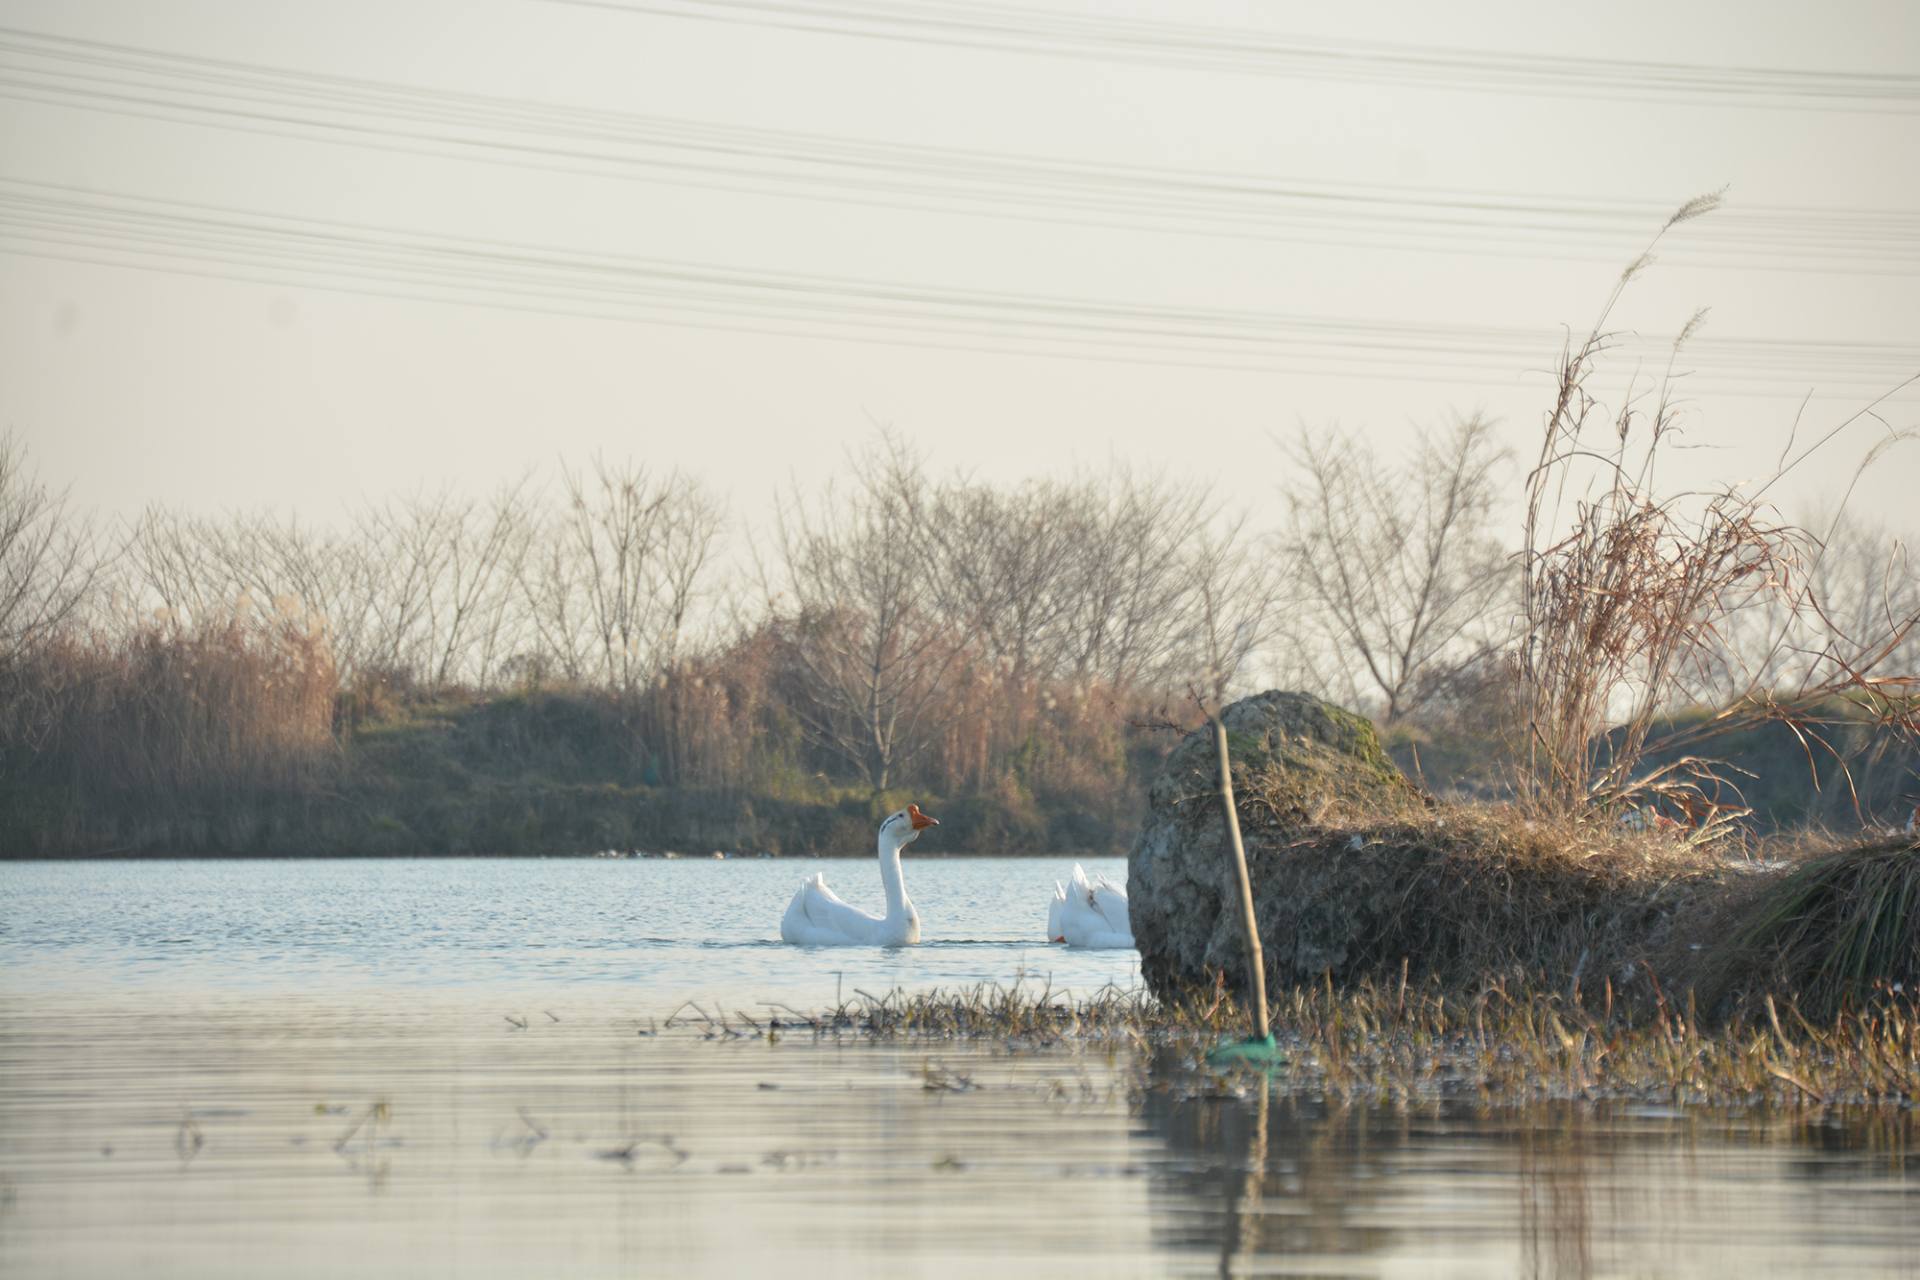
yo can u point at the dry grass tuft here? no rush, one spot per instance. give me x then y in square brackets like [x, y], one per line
[1630, 591]
[1462, 892]
[1836, 930]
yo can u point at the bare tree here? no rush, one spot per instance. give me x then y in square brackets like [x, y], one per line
[614, 589]
[1000, 563]
[449, 601]
[1235, 595]
[409, 551]
[47, 563]
[864, 636]
[328, 576]
[49, 570]
[484, 610]
[166, 564]
[1398, 562]
[1131, 560]
[1863, 581]
[1857, 579]
[1082, 580]
[198, 571]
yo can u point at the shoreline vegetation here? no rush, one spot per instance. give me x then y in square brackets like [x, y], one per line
[545, 773]
[1359, 877]
[1404, 1041]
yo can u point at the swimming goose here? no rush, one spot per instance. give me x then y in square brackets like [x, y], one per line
[1090, 913]
[818, 918]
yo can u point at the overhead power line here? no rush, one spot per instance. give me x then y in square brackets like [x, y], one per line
[145, 83]
[1253, 51]
[53, 221]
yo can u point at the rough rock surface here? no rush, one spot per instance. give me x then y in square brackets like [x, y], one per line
[1300, 765]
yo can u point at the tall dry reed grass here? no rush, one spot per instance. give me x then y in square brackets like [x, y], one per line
[239, 706]
[1631, 591]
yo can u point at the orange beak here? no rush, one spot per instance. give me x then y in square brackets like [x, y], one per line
[920, 820]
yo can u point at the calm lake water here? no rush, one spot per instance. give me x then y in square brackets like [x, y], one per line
[656, 932]
[438, 1068]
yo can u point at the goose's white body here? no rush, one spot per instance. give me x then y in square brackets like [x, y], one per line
[1089, 913]
[818, 918]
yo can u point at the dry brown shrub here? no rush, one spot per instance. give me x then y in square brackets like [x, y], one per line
[1630, 591]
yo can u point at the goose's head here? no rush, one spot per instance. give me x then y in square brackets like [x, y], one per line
[904, 827]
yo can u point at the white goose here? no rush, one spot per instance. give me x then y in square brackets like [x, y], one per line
[818, 918]
[1091, 914]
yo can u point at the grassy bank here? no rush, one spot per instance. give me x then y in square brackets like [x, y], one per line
[1460, 895]
[556, 772]
[538, 773]
[1840, 767]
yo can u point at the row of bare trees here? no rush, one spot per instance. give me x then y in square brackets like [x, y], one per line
[897, 594]
[906, 626]
[440, 590]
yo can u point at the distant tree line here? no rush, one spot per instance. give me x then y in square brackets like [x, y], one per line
[899, 628]
[895, 630]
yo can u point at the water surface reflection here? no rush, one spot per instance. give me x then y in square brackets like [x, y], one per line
[1279, 1184]
[303, 1136]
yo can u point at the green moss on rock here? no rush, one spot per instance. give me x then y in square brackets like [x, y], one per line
[1299, 763]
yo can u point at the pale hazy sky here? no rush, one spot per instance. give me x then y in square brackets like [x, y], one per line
[211, 392]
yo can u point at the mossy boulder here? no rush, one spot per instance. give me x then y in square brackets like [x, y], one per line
[1356, 876]
[1300, 764]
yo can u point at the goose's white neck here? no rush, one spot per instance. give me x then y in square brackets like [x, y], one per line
[898, 907]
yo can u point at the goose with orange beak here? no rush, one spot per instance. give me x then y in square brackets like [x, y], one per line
[818, 918]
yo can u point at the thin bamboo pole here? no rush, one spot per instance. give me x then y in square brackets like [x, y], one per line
[1254, 955]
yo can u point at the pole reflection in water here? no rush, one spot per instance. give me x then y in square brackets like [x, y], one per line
[1243, 1242]
[1556, 1221]
[1264, 1182]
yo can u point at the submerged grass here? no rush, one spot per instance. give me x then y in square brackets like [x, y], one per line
[1409, 1041]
